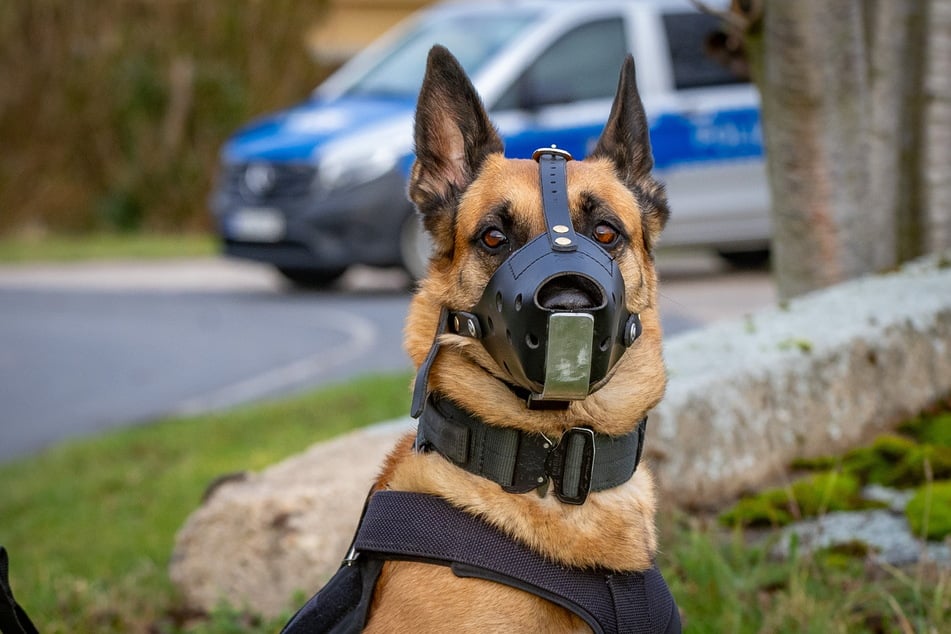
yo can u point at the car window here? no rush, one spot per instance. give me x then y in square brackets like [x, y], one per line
[471, 39]
[582, 64]
[690, 37]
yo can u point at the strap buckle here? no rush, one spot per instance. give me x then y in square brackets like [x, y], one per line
[352, 555]
[571, 465]
[551, 151]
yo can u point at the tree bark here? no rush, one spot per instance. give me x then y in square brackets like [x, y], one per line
[909, 210]
[814, 85]
[937, 124]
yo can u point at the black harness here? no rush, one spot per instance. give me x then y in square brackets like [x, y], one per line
[404, 526]
[13, 619]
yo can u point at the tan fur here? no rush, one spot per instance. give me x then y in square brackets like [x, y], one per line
[613, 528]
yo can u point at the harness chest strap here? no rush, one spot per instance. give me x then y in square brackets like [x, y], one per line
[582, 461]
[402, 525]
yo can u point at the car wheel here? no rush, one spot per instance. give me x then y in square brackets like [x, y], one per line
[415, 246]
[312, 278]
[756, 259]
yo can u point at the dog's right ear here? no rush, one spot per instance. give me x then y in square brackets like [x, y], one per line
[453, 137]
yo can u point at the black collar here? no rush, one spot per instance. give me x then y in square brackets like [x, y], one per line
[582, 461]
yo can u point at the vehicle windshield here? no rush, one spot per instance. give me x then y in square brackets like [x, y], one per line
[473, 39]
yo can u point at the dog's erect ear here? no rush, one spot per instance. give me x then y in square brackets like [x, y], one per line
[626, 142]
[626, 139]
[453, 137]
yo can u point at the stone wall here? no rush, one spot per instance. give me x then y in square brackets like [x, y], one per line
[813, 378]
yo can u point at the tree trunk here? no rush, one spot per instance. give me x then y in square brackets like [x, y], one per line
[856, 119]
[937, 125]
[815, 89]
[909, 210]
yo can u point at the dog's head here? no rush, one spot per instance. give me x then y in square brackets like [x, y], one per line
[480, 208]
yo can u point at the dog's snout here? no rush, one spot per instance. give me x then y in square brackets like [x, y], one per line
[570, 292]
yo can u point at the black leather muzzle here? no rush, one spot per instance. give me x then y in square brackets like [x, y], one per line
[553, 315]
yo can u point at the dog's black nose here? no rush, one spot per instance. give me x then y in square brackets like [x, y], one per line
[570, 292]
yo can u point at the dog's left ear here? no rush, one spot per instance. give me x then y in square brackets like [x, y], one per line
[453, 137]
[626, 142]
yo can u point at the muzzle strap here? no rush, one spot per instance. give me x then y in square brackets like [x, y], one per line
[554, 186]
[421, 385]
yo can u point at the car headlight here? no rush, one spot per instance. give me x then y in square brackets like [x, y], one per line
[338, 170]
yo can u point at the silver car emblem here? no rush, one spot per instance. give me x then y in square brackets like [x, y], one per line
[259, 178]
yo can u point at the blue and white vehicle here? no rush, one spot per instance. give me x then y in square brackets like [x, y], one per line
[321, 186]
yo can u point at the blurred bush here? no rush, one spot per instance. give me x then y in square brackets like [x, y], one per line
[112, 111]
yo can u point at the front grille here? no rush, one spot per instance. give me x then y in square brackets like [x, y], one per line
[292, 181]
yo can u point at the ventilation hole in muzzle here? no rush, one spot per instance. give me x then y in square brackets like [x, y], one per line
[605, 344]
[518, 302]
[508, 335]
[498, 301]
[490, 323]
[531, 341]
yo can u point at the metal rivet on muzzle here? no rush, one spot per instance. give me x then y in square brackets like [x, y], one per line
[632, 330]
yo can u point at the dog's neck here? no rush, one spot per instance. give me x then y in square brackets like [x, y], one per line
[579, 462]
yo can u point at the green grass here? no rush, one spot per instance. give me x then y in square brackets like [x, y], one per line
[90, 524]
[725, 583]
[105, 246]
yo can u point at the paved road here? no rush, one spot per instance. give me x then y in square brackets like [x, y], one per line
[89, 347]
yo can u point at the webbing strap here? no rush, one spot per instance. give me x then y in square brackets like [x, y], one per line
[13, 620]
[418, 527]
[582, 461]
[554, 187]
[421, 384]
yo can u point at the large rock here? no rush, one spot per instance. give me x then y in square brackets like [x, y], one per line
[260, 539]
[816, 377]
[745, 398]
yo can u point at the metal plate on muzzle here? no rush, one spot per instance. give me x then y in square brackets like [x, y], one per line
[568, 356]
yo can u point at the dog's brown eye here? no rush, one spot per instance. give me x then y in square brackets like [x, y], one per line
[493, 238]
[606, 234]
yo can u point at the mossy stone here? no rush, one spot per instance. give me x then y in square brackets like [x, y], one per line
[876, 462]
[912, 471]
[808, 497]
[932, 430]
[929, 511]
[897, 461]
[758, 511]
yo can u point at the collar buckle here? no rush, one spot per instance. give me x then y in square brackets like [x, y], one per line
[571, 465]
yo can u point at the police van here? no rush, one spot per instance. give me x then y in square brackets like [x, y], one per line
[321, 186]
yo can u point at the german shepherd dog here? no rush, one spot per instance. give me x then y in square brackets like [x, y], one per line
[481, 209]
